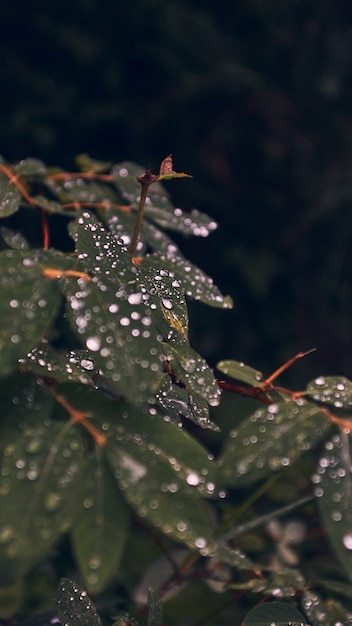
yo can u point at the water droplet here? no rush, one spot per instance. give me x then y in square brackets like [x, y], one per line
[192, 479]
[347, 541]
[93, 343]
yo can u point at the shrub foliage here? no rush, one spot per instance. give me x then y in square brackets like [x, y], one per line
[99, 382]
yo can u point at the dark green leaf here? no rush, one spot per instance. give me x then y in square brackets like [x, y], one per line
[13, 238]
[235, 557]
[193, 372]
[31, 167]
[155, 609]
[100, 527]
[52, 206]
[241, 372]
[158, 207]
[87, 164]
[334, 390]
[175, 401]
[271, 439]
[74, 607]
[28, 304]
[40, 478]
[114, 314]
[10, 197]
[320, 611]
[195, 283]
[76, 365]
[274, 613]
[332, 482]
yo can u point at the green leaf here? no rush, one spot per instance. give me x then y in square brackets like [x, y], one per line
[175, 401]
[10, 197]
[28, 305]
[163, 472]
[31, 167]
[270, 440]
[235, 557]
[159, 208]
[332, 487]
[334, 390]
[114, 315]
[320, 611]
[195, 283]
[241, 372]
[193, 372]
[100, 528]
[77, 365]
[13, 238]
[155, 609]
[52, 206]
[74, 607]
[87, 164]
[41, 475]
[278, 613]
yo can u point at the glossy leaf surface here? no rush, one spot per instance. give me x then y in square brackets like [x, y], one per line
[241, 372]
[334, 390]
[100, 528]
[195, 283]
[10, 197]
[28, 305]
[74, 607]
[41, 472]
[271, 439]
[333, 489]
[278, 613]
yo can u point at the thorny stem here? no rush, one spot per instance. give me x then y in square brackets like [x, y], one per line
[139, 220]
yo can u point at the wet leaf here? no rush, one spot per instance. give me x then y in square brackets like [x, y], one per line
[176, 401]
[334, 390]
[192, 280]
[77, 365]
[13, 238]
[28, 306]
[333, 489]
[162, 473]
[278, 613]
[121, 223]
[155, 609]
[87, 164]
[10, 197]
[193, 372]
[159, 208]
[114, 315]
[270, 440]
[241, 372]
[100, 528]
[52, 206]
[235, 557]
[31, 167]
[319, 611]
[74, 607]
[155, 490]
[41, 474]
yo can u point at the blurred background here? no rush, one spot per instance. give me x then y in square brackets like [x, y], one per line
[254, 99]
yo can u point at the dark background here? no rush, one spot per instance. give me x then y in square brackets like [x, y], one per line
[254, 99]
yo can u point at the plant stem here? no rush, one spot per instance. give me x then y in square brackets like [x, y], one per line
[138, 225]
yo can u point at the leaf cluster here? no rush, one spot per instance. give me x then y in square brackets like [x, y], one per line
[101, 390]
